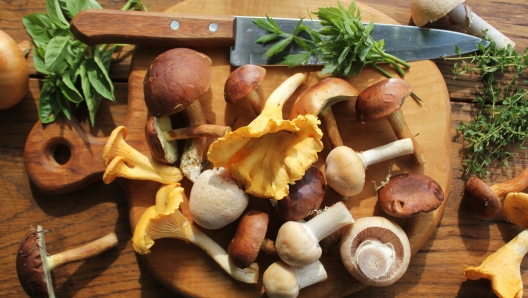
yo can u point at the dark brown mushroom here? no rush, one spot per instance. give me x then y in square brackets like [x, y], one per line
[34, 264]
[408, 194]
[384, 99]
[242, 84]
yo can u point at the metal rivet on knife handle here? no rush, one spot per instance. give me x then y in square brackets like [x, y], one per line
[175, 25]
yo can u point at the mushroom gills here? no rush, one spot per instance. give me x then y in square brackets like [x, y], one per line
[375, 258]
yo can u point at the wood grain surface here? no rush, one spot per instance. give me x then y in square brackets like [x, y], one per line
[462, 238]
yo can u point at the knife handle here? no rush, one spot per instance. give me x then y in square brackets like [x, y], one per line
[99, 26]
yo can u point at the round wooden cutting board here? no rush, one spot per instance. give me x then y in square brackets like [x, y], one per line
[184, 267]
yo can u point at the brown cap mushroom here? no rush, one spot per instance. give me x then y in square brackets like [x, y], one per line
[297, 243]
[375, 251]
[408, 194]
[345, 169]
[175, 79]
[460, 14]
[242, 83]
[34, 264]
[250, 238]
[283, 281]
[318, 99]
[304, 197]
[384, 99]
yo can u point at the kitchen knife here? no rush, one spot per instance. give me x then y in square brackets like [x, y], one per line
[98, 26]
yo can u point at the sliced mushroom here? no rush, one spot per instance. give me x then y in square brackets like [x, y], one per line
[384, 99]
[375, 251]
[242, 84]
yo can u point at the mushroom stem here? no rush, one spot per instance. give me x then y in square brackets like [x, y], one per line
[375, 258]
[278, 98]
[330, 220]
[83, 252]
[283, 281]
[464, 17]
[402, 131]
[255, 102]
[386, 152]
[192, 157]
[196, 131]
[330, 127]
[518, 183]
[310, 274]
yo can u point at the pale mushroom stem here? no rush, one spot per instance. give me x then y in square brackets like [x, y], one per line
[193, 153]
[203, 130]
[519, 183]
[278, 98]
[463, 16]
[386, 152]
[330, 125]
[220, 256]
[255, 102]
[310, 274]
[83, 252]
[402, 131]
[330, 220]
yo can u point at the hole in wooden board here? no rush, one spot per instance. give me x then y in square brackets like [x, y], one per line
[61, 153]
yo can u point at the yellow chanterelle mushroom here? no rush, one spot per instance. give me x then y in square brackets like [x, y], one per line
[502, 267]
[270, 152]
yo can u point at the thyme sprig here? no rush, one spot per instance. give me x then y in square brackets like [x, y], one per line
[501, 121]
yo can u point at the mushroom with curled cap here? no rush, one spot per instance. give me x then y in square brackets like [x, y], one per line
[242, 84]
[345, 168]
[34, 264]
[384, 99]
[375, 251]
[460, 14]
[165, 220]
[283, 281]
[503, 267]
[270, 153]
[516, 208]
[486, 201]
[297, 243]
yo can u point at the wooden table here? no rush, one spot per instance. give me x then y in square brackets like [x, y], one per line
[462, 238]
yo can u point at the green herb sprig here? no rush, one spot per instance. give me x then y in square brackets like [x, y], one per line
[343, 42]
[74, 73]
[501, 120]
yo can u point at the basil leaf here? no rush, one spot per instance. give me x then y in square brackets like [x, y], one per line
[55, 14]
[74, 7]
[68, 88]
[99, 78]
[38, 60]
[37, 25]
[56, 52]
[48, 107]
[63, 102]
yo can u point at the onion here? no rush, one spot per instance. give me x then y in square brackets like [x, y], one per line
[14, 74]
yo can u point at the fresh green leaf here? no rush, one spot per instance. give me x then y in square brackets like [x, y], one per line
[56, 52]
[267, 38]
[74, 7]
[37, 25]
[278, 47]
[55, 14]
[48, 107]
[296, 59]
[68, 88]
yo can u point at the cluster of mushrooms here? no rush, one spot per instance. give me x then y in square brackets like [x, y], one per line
[273, 159]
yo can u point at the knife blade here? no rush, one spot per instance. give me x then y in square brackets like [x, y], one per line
[99, 26]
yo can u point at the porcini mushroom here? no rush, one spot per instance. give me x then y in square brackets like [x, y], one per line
[516, 208]
[242, 84]
[250, 238]
[375, 251]
[297, 243]
[460, 14]
[270, 152]
[384, 99]
[165, 220]
[503, 267]
[34, 264]
[283, 281]
[318, 100]
[406, 195]
[345, 168]
[122, 160]
[486, 200]
[216, 200]
[304, 197]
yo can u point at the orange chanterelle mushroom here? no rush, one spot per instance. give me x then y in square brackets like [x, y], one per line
[270, 152]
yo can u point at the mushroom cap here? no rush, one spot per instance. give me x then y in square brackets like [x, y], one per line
[297, 245]
[516, 208]
[345, 171]
[407, 195]
[280, 281]
[216, 200]
[375, 229]
[305, 196]
[245, 245]
[426, 11]
[175, 79]
[33, 275]
[381, 99]
[242, 81]
[322, 95]
[160, 149]
[481, 198]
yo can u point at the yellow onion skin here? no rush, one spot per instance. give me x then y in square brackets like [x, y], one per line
[14, 73]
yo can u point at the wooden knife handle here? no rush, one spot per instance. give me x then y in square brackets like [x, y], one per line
[99, 26]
